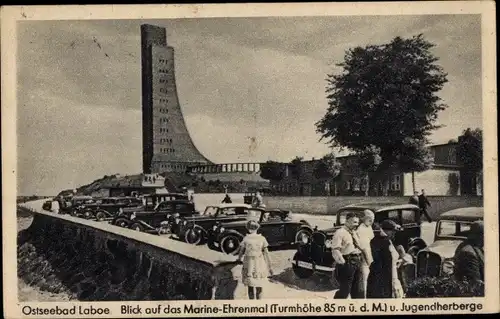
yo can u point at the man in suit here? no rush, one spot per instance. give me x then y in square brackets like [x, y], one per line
[469, 256]
[414, 199]
[423, 203]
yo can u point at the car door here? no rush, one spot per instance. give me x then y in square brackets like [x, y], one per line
[274, 229]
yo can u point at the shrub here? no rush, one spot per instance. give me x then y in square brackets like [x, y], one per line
[431, 287]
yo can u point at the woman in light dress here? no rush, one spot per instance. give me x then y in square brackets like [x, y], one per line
[255, 258]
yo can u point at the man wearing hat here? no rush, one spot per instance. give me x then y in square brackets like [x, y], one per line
[348, 258]
[469, 255]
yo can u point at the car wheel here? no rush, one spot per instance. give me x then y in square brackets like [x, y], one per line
[302, 234]
[87, 214]
[100, 216]
[230, 244]
[298, 271]
[121, 222]
[137, 227]
[192, 236]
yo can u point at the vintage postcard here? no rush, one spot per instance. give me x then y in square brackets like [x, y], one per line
[249, 160]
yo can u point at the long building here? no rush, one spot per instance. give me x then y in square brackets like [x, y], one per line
[167, 145]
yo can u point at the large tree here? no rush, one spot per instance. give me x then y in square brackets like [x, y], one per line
[384, 95]
[328, 168]
[273, 171]
[470, 153]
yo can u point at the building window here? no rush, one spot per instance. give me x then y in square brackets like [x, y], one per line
[396, 183]
[452, 156]
[348, 185]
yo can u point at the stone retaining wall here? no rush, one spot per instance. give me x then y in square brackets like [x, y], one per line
[329, 205]
[94, 261]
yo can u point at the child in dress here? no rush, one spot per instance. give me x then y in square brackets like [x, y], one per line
[256, 263]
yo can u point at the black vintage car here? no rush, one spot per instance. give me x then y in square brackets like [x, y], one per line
[194, 229]
[150, 201]
[108, 207]
[314, 254]
[47, 205]
[156, 221]
[277, 226]
[70, 204]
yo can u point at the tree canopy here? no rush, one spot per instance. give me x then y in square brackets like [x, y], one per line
[385, 99]
[272, 170]
[470, 149]
[327, 167]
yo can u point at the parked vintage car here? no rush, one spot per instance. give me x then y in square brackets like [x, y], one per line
[277, 226]
[108, 207]
[156, 220]
[452, 228]
[194, 229]
[150, 201]
[314, 253]
[69, 204]
[47, 205]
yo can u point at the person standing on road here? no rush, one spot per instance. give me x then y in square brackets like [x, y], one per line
[383, 280]
[423, 203]
[469, 256]
[258, 200]
[414, 199]
[365, 232]
[227, 200]
[255, 258]
[348, 258]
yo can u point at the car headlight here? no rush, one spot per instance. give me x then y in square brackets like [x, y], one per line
[132, 216]
[184, 223]
[304, 239]
[168, 216]
[448, 267]
[177, 220]
[221, 230]
[328, 243]
[214, 228]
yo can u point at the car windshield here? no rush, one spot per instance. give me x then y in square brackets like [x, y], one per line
[210, 211]
[453, 229]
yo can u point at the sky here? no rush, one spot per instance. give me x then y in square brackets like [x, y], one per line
[79, 87]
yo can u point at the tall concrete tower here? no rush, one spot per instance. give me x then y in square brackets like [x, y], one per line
[166, 143]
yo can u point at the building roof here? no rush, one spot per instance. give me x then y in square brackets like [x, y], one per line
[465, 213]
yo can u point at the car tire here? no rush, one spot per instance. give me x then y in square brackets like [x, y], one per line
[191, 236]
[121, 222]
[100, 216]
[230, 244]
[88, 214]
[302, 232]
[302, 273]
[137, 227]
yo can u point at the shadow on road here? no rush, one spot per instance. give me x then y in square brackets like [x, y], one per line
[314, 283]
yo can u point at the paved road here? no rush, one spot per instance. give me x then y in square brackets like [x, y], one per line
[284, 281]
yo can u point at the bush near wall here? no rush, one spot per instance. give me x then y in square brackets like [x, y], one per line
[436, 287]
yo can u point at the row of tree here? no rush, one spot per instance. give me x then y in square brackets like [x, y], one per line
[383, 106]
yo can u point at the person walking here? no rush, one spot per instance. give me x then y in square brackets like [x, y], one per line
[423, 203]
[414, 199]
[348, 258]
[365, 232]
[258, 200]
[227, 200]
[469, 256]
[383, 281]
[255, 258]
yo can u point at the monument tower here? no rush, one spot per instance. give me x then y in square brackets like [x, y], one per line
[166, 143]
